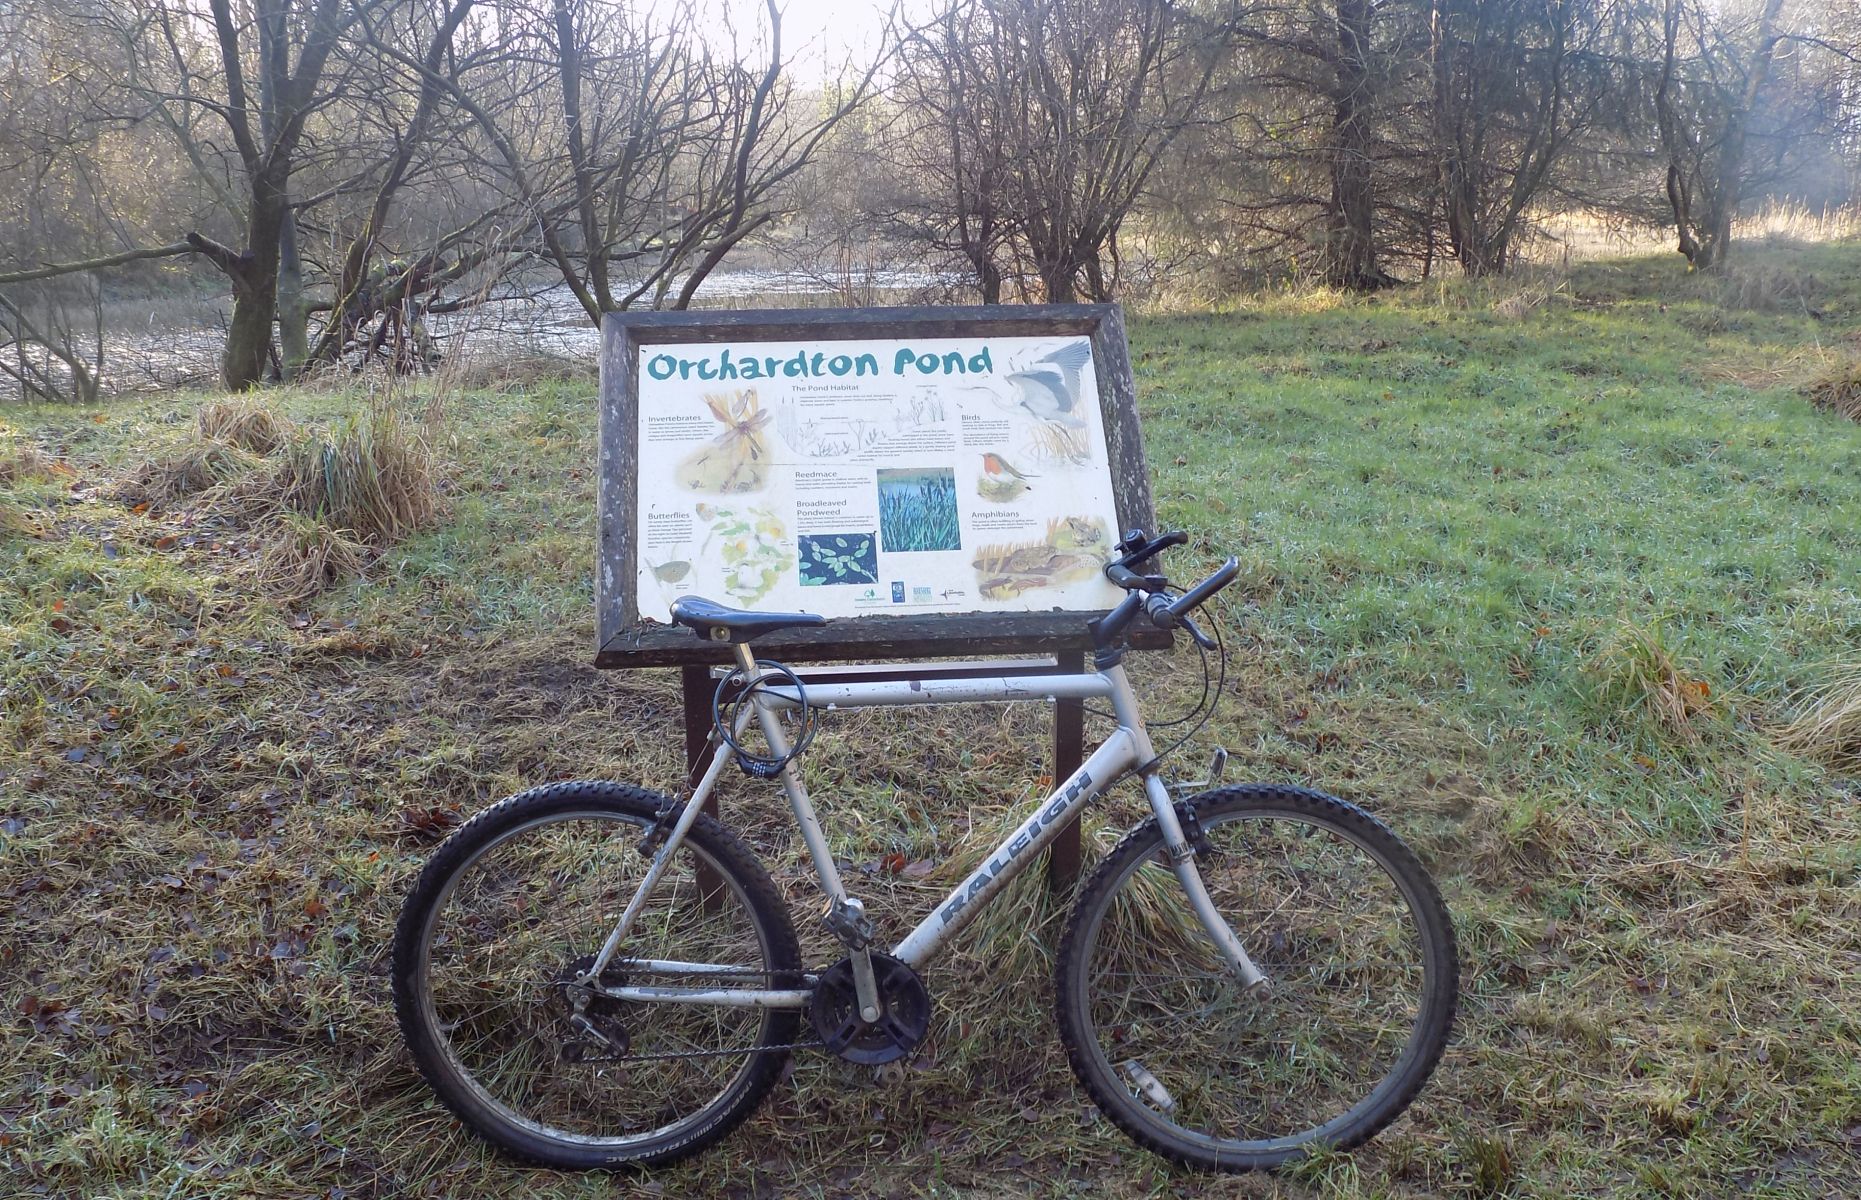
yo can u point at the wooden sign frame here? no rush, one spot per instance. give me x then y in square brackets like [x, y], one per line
[624, 640]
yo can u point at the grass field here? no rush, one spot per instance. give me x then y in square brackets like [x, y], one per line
[1534, 570]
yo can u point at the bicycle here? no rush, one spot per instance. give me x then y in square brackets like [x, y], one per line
[1252, 972]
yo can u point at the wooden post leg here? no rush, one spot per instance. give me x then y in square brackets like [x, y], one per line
[1069, 743]
[697, 687]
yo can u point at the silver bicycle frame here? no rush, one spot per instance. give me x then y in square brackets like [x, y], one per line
[1128, 748]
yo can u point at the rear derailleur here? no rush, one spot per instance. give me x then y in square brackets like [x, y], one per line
[591, 1015]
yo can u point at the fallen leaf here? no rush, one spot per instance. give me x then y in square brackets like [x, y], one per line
[430, 821]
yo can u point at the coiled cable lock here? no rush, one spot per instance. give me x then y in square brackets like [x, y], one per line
[726, 707]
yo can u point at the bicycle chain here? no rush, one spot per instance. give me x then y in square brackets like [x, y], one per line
[631, 1058]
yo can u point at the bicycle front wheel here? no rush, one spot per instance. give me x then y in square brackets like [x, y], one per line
[507, 918]
[1346, 925]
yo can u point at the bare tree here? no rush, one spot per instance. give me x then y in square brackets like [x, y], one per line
[1514, 85]
[951, 189]
[1315, 90]
[1724, 131]
[1037, 125]
[663, 152]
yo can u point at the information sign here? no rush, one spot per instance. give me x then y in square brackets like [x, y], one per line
[918, 475]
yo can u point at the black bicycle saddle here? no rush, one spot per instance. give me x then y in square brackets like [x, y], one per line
[718, 623]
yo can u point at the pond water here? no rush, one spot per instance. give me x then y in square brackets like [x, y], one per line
[164, 344]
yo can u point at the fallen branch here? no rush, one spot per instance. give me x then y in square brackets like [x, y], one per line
[53, 270]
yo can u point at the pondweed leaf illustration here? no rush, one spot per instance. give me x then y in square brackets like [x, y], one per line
[834, 558]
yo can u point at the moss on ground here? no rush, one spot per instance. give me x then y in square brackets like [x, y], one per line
[1450, 503]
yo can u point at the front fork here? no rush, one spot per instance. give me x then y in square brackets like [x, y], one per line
[1182, 861]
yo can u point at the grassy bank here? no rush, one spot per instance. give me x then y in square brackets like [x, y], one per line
[1535, 571]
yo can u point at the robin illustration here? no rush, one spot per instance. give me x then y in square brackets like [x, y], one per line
[1000, 482]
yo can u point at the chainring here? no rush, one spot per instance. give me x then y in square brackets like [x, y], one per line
[904, 1018]
[603, 1038]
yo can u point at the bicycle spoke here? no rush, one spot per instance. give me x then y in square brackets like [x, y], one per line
[1203, 1067]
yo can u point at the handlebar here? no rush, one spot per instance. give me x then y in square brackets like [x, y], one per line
[1147, 591]
[1208, 587]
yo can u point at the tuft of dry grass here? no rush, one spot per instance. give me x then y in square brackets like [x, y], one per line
[303, 555]
[186, 472]
[1839, 391]
[1758, 285]
[372, 476]
[1828, 729]
[1798, 369]
[247, 424]
[507, 374]
[1521, 303]
[22, 462]
[14, 522]
[1639, 672]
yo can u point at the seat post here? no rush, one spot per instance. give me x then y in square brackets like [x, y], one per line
[745, 657]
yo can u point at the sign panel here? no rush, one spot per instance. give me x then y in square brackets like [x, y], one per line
[916, 475]
[938, 475]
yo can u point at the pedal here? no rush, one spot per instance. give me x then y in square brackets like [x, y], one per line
[1217, 767]
[847, 921]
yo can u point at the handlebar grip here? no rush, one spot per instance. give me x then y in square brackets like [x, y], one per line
[1144, 549]
[1208, 587]
[1124, 576]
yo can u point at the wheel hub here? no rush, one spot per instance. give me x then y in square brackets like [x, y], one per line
[593, 1019]
[904, 1012]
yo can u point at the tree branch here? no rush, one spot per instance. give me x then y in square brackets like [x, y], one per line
[52, 270]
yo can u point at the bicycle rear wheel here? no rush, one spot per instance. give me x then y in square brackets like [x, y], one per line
[1345, 923]
[509, 913]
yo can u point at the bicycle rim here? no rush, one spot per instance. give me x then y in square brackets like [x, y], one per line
[516, 917]
[1350, 936]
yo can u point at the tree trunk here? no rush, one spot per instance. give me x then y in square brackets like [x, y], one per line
[989, 280]
[293, 303]
[255, 291]
[1056, 284]
[1350, 244]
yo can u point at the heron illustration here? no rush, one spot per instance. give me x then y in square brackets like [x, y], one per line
[1048, 388]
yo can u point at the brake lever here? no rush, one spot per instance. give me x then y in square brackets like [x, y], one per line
[1195, 631]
